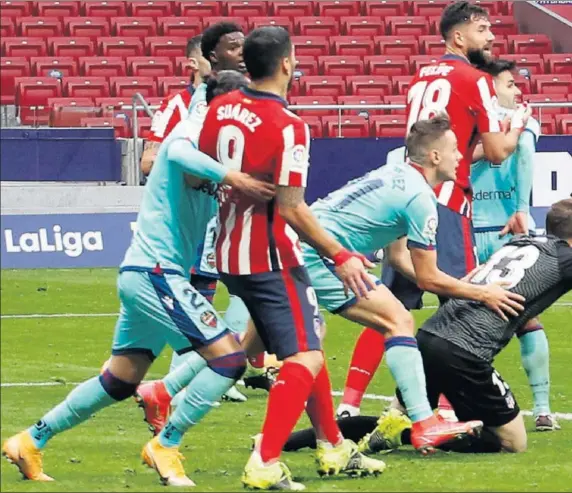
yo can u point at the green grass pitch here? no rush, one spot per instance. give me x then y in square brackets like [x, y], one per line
[103, 454]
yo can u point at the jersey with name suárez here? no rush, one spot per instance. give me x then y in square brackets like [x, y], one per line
[254, 132]
[538, 268]
[468, 96]
[384, 205]
[173, 217]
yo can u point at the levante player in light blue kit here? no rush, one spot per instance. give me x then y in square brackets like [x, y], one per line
[159, 306]
[501, 209]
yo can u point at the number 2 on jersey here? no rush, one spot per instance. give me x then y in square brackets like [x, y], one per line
[230, 147]
[427, 99]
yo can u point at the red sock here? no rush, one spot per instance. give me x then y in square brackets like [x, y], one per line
[286, 403]
[320, 409]
[257, 361]
[366, 358]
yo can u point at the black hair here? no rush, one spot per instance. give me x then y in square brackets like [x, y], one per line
[263, 49]
[496, 67]
[222, 82]
[193, 44]
[423, 134]
[459, 13]
[559, 219]
[213, 34]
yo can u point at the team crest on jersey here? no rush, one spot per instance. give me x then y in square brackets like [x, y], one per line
[211, 260]
[209, 318]
[430, 229]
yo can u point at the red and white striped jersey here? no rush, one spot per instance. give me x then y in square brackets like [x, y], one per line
[254, 132]
[468, 96]
[173, 110]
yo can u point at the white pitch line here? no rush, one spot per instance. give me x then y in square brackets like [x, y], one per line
[335, 393]
[94, 315]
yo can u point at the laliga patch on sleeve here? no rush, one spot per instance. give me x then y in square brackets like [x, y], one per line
[299, 158]
[430, 229]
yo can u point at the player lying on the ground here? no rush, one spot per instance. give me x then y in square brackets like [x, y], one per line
[461, 340]
[158, 307]
[389, 203]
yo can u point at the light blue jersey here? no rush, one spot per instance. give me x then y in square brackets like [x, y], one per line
[367, 214]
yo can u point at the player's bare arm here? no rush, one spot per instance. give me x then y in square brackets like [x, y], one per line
[297, 214]
[257, 189]
[400, 259]
[150, 150]
[430, 278]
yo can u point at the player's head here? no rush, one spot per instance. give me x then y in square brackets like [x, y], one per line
[269, 55]
[198, 64]
[465, 27]
[222, 45]
[559, 220]
[224, 81]
[503, 72]
[433, 145]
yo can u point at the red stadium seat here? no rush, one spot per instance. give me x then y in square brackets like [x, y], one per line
[500, 46]
[150, 8]
[39, 27]
[10, 69]
[199, 9]
[169, 85]
[58, 8]
[311, 45]
[313, 100]
[186, 27]
[493, 6]
[16, 8]
[558, 63]
[352, 45]
[508, 8]
[181, 65]
[68, 112]
[397, 45]
[144, 66]
[43, 66]
[120, 125]
[548, 124]
[102, 67]
[241, 21]
[323, 85]
[7, 27]
[63, 101]
[128, 86]
[407, 25]
[285, 22]
[432, 44]
[418, 61]
[534, 63]
[144, 126]
[553, 83]
[346, 126]
[71, 46]
[23, 47]
[388, 125]
[292, 8]
[548, 98]
[338, 8]
[169, 46]
[523, 84]
[564, 124]
[86, 87]
[530, 43]
[361, 100]
[367, 85]
[385, 8]
[362, 26]
[503, 25]
[315, 124]
[387, 65]
[308, 65]
[250, 8]
[90, 27]
[341, 65]
[429, 7]
[104, 8]
[433, 21]
[112, 105]
[122, 46]
[138, 27]
[401, 83]
[397, 99]
[32, 94]
[317, 26]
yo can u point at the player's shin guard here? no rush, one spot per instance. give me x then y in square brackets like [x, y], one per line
[535, 360]
[406, 366]
[201, 395]
[366, 358]
[86, 399]
[190, 365]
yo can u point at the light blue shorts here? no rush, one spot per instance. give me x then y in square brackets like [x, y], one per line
[159, 309]
[328, 286]
[488, 243]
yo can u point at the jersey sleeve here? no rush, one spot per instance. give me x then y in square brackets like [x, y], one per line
[524, 171]
[565, 261]
[485, 105]
[166, 118]
[293, 155]
[422, 221]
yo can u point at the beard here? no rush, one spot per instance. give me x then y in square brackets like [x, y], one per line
[478, 58]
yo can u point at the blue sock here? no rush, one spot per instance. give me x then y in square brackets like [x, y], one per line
[188, 366]
[237, 315]
[406, 366]
[535, 360]
[86, 399]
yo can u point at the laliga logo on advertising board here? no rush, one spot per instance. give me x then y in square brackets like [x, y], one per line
[72, 243]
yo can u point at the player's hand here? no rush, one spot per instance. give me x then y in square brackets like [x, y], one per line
[517, 224]
[502, 301]
[250, 186]
[351, 269]
[471, 274]
[520, 117]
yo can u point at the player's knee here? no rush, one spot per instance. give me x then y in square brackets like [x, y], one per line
[117, 389]
[532, 325]
[515, 444]
[312, 360]
[232, 365]
[402, 324]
